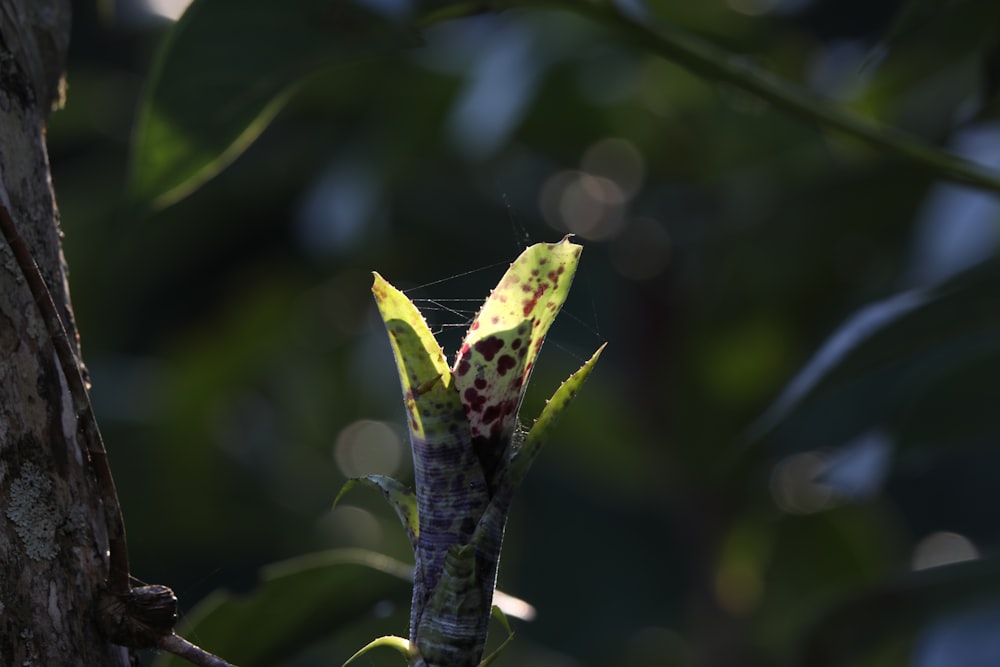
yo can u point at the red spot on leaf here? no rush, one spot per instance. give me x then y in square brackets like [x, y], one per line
[473, 400]
[463, 365]
[491, 413]
[480, 383]
[488, 347]
[505, 363]
[529, 304]
[516, 343]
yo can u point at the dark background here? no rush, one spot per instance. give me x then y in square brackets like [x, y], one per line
[235, 349]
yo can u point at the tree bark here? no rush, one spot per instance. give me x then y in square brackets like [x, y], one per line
[53, 537]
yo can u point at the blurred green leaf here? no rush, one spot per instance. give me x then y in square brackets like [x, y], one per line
[299, 602]
[224, 71]
[898, 607]
[920, 363]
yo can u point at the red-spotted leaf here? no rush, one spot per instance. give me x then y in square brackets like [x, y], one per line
[495, 361]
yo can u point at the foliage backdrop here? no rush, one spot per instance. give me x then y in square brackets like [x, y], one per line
[684, 515]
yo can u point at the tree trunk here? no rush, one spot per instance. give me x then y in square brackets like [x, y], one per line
[53, 537]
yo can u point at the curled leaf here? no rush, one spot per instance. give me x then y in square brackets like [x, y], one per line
[401, 498]
[546, 422]
[392, 641]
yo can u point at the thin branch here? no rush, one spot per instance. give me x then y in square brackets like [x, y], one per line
[118, 575]
[182, 648]
[711, 62]
[118, 614]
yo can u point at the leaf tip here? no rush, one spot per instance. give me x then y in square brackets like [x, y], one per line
[348, 485]
[407, 649]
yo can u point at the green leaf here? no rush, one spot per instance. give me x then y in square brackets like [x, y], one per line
[541, 431]
[298, 602]
[399, 496]
[502, 618]
[224, 71]
[920, 365]
[392, 641]
[423, 371]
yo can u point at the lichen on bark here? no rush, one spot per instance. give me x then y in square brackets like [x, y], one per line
[52, 539]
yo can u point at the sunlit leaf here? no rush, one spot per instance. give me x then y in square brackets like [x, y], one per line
[391, 641]
[495, 361]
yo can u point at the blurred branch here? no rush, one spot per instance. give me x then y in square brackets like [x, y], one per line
[711, 62]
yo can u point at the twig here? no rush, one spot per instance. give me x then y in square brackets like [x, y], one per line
[133, 617]
[118, 574]
[182, 648]
[711, 62]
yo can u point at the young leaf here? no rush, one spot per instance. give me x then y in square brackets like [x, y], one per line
[495, 361]
[399, 496]
[546, 422]
[502, 618]
[398, 643]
